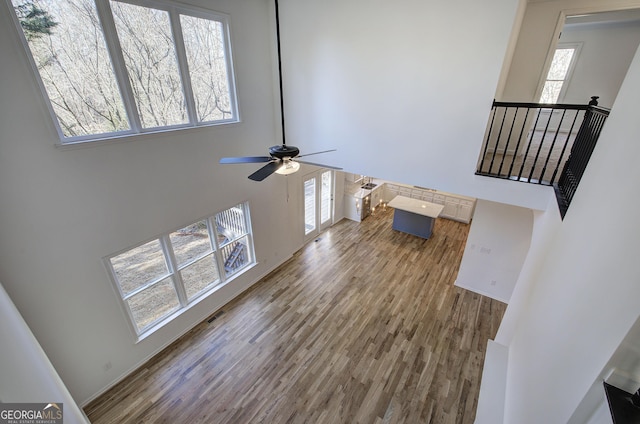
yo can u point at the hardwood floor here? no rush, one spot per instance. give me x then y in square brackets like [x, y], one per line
[533, 162]
[363, 325]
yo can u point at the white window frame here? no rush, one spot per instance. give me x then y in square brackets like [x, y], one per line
[120, 71]
[320, 226]
[174, 268]
[577, 47]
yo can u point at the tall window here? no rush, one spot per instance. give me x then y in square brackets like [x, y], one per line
[318, 202]
[326, 193]
[111, 68]
[158, 278]
[559, 72]
[310, 205]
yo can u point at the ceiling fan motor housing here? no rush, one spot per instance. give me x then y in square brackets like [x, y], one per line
[284, 151]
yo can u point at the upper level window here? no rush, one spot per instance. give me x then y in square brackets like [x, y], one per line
[558, 75]
[112, 68]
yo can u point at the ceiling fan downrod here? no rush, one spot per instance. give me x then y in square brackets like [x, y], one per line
[284, 142]
[282, 159]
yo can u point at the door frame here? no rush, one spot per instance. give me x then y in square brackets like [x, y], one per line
[320, 226]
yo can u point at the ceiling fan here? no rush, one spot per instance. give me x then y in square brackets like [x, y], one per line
[282, 159]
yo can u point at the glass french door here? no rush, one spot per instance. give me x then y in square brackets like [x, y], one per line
[318, 202]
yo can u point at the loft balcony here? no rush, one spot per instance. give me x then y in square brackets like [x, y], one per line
[538, 143]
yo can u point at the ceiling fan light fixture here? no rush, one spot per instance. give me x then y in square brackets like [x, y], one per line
[288, 167]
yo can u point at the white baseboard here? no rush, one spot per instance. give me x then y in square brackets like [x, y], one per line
[457, 283]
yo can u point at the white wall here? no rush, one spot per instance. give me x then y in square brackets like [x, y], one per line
[63, 210]
[604, 54]
[27, 373]
[402, 89]
[338, 210]
[492, 394]
[607, 50]
[545, 225]
[585, 297]
[496, 248]
[538, 36]
[621, 371]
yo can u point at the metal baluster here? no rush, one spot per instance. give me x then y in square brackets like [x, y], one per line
[526, 153]
[553, 143]
[495, 149]
[517, 149]
[506, 147]
[486, 144]
[544, 135]
[564, 148]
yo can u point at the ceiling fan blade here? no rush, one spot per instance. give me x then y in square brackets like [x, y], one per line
[316, 153]
[265, 171]
[317, 164]
[246, 159]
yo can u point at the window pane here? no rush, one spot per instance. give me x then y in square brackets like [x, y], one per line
[149, 53]
[69, 50]
[235, 255]
[139, 266]
[154, 303]
[309, 205]
[551, 91]
[325, 197]
[231, 224]
[204, 45]
[190, 242]
[200, 275]
[148, 275]
[560, 64]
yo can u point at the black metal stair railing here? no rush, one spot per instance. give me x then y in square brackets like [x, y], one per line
[583, 146]
[547, 144]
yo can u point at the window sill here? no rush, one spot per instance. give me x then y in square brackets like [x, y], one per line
[151, 330]
[129, 137]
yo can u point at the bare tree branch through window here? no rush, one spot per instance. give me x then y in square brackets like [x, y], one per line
[93, 95]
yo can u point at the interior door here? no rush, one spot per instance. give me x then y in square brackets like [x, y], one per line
[318, 202]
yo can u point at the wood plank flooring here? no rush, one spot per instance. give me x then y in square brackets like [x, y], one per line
[363, 325]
